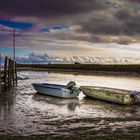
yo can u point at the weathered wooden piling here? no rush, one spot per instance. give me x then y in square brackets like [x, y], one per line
[5, 73]
[9, 74]
[15, 72]
[8, 77]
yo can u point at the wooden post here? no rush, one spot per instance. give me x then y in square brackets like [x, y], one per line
[10, 69]
[15, 66]
[9, 73]
[13, 73]
[5, 72]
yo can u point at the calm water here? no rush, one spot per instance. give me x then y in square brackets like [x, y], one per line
[23, 112]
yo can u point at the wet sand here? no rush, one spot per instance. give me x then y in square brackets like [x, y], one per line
[23, 112]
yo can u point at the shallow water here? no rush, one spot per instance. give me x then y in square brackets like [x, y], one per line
[23, 112]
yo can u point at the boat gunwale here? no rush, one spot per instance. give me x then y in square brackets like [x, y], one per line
[51, 86]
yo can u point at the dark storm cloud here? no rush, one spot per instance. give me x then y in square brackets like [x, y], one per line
[100, 25]
[134, 1]
[130, 21]
[46, 8]
[97, 18]
[121, 22]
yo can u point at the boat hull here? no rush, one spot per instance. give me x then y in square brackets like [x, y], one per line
[109, 94]
[55, 90]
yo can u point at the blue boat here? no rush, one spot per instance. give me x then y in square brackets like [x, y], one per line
[63, 91]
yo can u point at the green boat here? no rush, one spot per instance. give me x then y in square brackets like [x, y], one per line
[112, 95]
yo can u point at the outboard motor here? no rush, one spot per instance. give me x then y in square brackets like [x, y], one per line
[134, 95]
[72, 87]
[71, 84]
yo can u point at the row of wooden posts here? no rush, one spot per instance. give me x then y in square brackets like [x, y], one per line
[8, 74]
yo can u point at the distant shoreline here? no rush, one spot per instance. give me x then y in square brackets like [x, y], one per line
[86, 69]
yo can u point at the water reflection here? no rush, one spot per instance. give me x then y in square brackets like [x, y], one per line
[71, 106]
[7, 111]
[70, 103]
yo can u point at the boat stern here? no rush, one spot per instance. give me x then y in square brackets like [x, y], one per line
[77, 90]
[135, 97]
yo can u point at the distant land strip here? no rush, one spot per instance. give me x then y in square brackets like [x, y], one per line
[118, 68]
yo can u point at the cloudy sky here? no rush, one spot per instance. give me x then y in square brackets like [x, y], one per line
[67, 28]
